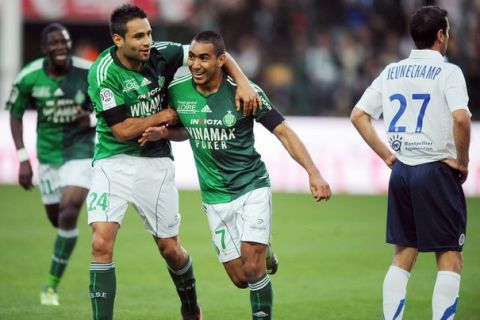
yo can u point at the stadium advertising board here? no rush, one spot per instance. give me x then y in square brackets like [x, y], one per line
[343, 157]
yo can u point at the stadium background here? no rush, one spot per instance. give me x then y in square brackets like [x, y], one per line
[314, 59]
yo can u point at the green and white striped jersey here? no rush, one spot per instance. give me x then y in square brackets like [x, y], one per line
[222, 139]
[57, 100]
[118, 93]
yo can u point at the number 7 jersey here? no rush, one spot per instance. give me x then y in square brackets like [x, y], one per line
[417, 96]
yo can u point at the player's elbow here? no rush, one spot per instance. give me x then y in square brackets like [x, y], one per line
[120, 134]
[461, 118]
[357, 116]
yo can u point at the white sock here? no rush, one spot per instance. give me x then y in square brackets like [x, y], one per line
[445, 295]
[394, 293]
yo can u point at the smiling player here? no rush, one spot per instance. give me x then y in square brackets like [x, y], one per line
[56, 86]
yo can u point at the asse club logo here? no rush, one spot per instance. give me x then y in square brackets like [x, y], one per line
[229, 119]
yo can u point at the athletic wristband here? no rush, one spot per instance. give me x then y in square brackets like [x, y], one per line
[22, 155]
[93, 120]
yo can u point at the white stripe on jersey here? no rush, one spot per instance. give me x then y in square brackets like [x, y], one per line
[34, 66]
[181, 79]
[81, 63]
[103, 68]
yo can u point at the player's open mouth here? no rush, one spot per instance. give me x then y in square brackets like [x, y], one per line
[145, 52]
[198, 75]
[61, 56]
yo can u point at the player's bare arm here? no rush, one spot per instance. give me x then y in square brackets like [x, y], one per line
[319, 187]
[461, 135]
[25, 173]
[245, 92]
[163, 132]
[362, 122]
[131, 128]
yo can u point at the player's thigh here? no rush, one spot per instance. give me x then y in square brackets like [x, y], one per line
[49, 184]
[439, 207]
[400, 219]
[110, 190]
[155, 197]
[245, 219]
[76, 173]
[255, 216]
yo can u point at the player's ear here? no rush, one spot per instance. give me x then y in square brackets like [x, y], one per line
[117, 40]
[441, 35]
[221, 60]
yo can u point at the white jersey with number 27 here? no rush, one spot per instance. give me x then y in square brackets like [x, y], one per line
[417, 96]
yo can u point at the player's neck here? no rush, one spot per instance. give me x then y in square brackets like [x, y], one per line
[211, 86]
[127, 62]
[56, 71]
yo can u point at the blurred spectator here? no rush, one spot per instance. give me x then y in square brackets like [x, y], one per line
[324, 53]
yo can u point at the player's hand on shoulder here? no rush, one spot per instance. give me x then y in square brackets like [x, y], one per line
[247, 98]
[320, 188]
[25, 175]
[153, 134]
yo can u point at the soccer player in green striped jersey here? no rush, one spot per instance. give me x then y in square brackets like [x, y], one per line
[56, 86]
[127, 85]
[234, 181]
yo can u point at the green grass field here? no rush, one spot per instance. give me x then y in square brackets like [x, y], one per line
[332, 262]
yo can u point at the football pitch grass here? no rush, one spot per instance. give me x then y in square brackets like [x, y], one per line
[333, 258]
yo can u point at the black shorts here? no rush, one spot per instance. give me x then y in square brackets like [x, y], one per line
[426, 207]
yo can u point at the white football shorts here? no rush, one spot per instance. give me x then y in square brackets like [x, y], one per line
[147, 183]
[245, 219]
[75, 173]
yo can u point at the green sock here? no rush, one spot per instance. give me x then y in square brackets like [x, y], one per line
[184, 281]
[261, 298]
[102, 289]
[64, 245]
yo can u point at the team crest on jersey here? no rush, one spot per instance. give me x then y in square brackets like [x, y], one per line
[41, 92]
[161, 81]
[79, 97]
[229, 119]
[395, 142]
[130, 85]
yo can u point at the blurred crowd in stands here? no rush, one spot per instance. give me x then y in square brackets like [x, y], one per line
[315, 58]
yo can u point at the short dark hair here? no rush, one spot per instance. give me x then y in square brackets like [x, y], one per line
[52, 27]
[122, 15]
[425, 24]
[211, 37]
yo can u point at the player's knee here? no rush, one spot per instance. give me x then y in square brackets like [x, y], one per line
[68, 217]
[172, 253]
[240, 284]
[239, 280]
[102, 248]
[253, 270]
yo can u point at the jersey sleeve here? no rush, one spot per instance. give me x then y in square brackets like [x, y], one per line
[18, 100]
[456, 91]
[371, 100]
[107, 98]
[268, 116]
[173, 52]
